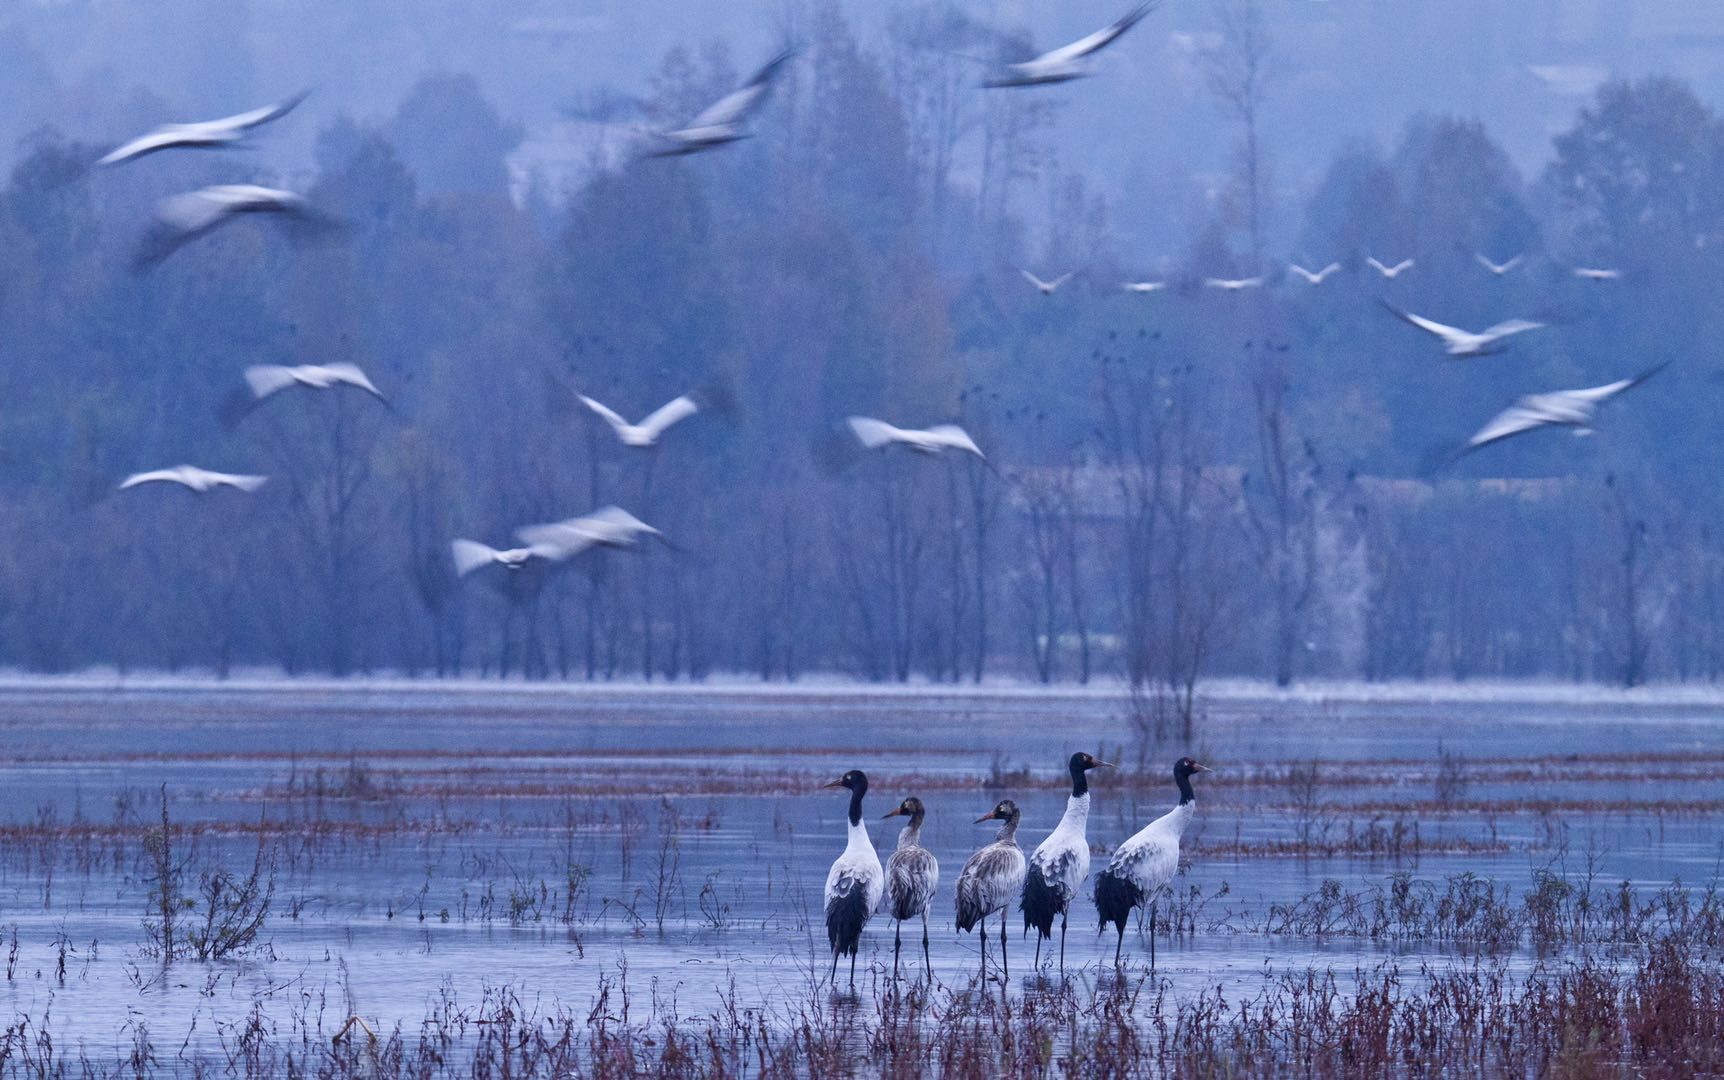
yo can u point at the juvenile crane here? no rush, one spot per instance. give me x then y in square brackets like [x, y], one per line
[1146, 863]
[989, 880]
[855, 882]
[912, 874]
[1060, 864]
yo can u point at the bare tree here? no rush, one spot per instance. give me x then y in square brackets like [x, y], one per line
[1239, 71]
[1281, 508]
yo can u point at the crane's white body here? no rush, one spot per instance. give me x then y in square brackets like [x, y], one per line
[874, 434]
[1465, 343]
[1594, 273]
[1562, 408]
[203, 133]
[610, 526]
[1232, 284]
[1143, 286]
[1499, 269]
[1149, 859]
[470, 555]
[1390, 272]
[647, 432]
[267, 379]
[1063, 858]
[1315, 277]
[857, 870]
[722, 121]
[194, 478]
[1046, 288]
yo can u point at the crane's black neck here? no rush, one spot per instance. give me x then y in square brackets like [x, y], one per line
[1183, 779]
[1080, 779]
[856, 794]
[1009, 829]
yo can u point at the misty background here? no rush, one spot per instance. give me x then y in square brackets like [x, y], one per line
[1189, 483]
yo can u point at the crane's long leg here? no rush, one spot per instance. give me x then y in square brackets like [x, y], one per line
[1152, 935]
[1005, 964]
[897, 947]
[984, 946]
[1038, 964]
[853, 966]
[1119, 942]
[927, 960]
[834, 975]
[1062, 942]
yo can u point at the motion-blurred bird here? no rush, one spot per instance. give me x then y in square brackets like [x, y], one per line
[1233, 284]
[1316, 277]
[1499, 269]
[1046, 288]
[1595, 273]
[1143, 286]
[263, 381]
[1562, 408]
[647, 432]
[610, 526]
[1390, 272]
[875, 434]
[195, 479]
[207, 133]
[470, 555]
[181, 219]
[722, 121]
[1068, 61]
[1464, 343]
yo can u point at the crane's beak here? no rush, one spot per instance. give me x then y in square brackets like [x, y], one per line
[1195, 767]
[893, 813]
[989, 816]
[836, 783]
[1104, 765]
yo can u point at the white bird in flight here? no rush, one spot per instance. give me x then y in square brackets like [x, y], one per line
[1316, 277]
[470, 555]
[1233, 284]
[722, 121]
[1068, 61]
[263, 381]
[206, 133]
[1465, 343]
[194, 479]
[1390, 272]
[1563, 408]
[1046, 288]
[1593, 273]
[875, 434]
[181, 219]
[609, 526]
[1499, 269]
[647, 432]
[1143, 286]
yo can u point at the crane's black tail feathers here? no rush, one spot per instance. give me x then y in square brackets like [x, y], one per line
[1115, 898]
[1040, 904]
[845, 918]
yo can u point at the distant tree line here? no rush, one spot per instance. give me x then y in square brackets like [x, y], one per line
[1180, 484]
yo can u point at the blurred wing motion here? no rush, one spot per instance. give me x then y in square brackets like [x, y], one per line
[1458, 342]
[1316, 277]
[1046, 288]
[610, 526]
[1390, 272]
[194, 479]
[1068, 61]
[721, 122]
[1499, 269]
[1562, 408]
[874, 434]
[181, 219]
[205, 133]
[1233, 284]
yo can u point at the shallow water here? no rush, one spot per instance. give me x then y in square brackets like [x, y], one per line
[425, 841]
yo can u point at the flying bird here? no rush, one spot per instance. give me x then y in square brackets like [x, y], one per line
[1145, 864]
[1390, 272]
[1464, 343]
[1068, 61]
[195, 479]
[1143, 286]
[1315, 277]
[1593, 273]
[263, 381]
[1499, 269]
[1060, 864]
[647, 432]
[855, 882]
[207, 133]
[181, 219]
[470, 555]
[874, 434]
[1046, 288]
[1233, 284]
[722, 122]
[610, 526]
[1562, 408]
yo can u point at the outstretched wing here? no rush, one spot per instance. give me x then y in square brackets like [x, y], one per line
[267, 379]
[609, 415]
[351, 374]
[1034, 280]
[264, 115]
[1429, 326]
[1092, 43]
[1511, 326]
[1517, 419]
[957, 438]
[671, 412]
[872, 433]
[470, 555]
[735, 106]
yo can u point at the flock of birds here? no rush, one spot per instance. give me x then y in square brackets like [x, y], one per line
[1044, 885]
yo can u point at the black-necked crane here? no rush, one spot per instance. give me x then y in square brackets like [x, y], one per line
[1060, 864]
[912, 874]
[855, 882]
[990, 879]
[1145, 864]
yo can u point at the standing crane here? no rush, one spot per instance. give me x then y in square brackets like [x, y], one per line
[1060, 864]
[912, 874]
[1145, 864]
[989, 880]
[855, 882]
